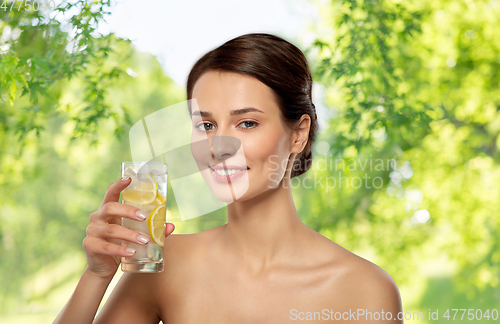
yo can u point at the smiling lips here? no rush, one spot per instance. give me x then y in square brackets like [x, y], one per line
[229, 173]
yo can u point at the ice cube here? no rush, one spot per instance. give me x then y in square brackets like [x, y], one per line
[156, 172]
[144, 177]
[129, 172]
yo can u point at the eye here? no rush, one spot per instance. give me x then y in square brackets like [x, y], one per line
[204, 127]
[249, 124]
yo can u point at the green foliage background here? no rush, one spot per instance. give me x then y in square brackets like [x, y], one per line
[414, 84]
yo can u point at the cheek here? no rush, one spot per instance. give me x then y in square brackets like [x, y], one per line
[266, 151]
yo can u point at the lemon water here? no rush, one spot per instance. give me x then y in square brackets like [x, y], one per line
[148, 192]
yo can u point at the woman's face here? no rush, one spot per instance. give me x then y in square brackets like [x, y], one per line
[221, 115]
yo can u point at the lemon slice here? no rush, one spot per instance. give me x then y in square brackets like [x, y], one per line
[156, 224]
[142, 192]
[160, 200]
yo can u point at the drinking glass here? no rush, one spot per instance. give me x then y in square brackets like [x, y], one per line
[148, 192]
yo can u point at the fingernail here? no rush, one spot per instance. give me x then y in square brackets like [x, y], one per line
[125, 178]
[141, 215]
[130, 251]
[142, 239]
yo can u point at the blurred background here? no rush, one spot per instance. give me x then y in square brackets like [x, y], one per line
[406, 166]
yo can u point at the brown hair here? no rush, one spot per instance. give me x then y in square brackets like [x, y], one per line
[278, 64]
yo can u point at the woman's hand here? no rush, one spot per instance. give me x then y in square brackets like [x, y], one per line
[104, 233]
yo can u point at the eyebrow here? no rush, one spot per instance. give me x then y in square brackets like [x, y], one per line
[234, 112]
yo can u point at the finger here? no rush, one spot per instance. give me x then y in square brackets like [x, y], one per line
[114, 209]
[96, 246]
[114, 189]
[169, 228]
[112, 231]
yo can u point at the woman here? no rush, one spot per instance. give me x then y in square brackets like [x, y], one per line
[264, 265]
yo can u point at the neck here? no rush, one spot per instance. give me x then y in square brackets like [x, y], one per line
[263, 231]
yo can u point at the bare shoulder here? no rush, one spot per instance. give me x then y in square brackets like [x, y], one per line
[372, 286]
[182, 252]
[363, 284]
[189, 245]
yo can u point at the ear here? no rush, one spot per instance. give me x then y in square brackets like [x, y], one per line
[301, 134]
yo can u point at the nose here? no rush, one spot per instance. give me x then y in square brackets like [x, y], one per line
[223, 147]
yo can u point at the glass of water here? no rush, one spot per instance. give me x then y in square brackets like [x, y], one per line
[148, 192]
